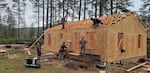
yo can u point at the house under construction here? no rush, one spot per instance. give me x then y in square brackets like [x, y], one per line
[121, 36]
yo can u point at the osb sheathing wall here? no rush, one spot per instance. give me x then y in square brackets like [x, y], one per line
[95, 39]
[131, 27]
[103, 39]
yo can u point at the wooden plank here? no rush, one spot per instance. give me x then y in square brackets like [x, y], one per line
[146, 69]
[146, 66]
[91, 43]
[130, 69]
[28, 49]
[6, 53]
[76, 40]
[3, 51]
[36, 41]
[75, 54]
[50, 53]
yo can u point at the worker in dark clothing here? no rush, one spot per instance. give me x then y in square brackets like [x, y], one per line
[63, 22]
[96, 22]
[62, 51]
[38, 49]
[82, 46]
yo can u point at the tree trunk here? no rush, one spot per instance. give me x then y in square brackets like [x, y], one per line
[19, 18]
[59, 11]
[80, 9]
[63, 8]
[51, 13]
[47, 14]
[116, 6]
[55, 12]
[111, 4]
[73, 10]
[38, 19]
[43, 14]
[95, 8]
[84, 9]
[67, 11]
[101, 6]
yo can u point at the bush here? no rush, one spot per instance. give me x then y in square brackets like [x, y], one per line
[15, 41]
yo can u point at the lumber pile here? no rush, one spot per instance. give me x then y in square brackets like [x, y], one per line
[4, 51]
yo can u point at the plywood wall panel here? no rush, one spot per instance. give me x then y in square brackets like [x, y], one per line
[131, 29]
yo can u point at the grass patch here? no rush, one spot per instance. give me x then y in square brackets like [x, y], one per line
[16, 65]
[7, 66]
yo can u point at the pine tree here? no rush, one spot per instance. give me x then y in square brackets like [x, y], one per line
[145, 12]
[116, 6]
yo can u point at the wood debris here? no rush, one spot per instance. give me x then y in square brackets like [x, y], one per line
[130, 69]
[146, 69]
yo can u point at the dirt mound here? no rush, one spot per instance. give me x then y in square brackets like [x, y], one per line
[72, 66]
[78, 65]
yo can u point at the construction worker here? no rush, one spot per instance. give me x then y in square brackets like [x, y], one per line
[62, 51]
[82, 46]
[38, 49]
[63, 22]
[96, 22]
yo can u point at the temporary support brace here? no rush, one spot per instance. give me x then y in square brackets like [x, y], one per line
[28, 49]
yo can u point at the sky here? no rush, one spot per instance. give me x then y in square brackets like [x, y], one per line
[136, 7]
[137, 4]
[29, 19]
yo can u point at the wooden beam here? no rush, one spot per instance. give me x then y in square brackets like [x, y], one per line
[28, 49]
[146, 69]
[75, 54]
[36, 41]
[148, 66]
[3, 50]
[130, 69]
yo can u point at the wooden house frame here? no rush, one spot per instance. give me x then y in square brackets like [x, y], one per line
[121, 36]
